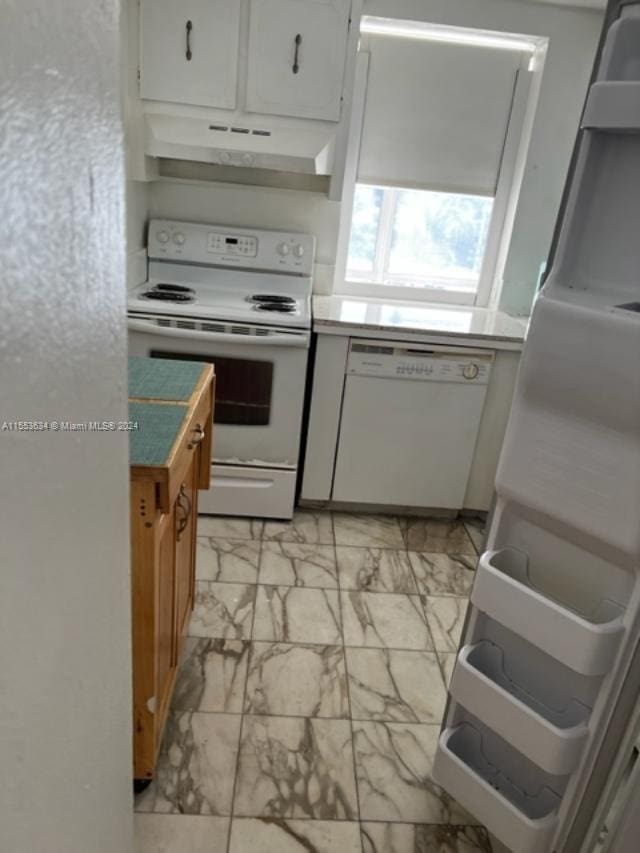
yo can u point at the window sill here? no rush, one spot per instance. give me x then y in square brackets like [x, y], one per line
[388, 292]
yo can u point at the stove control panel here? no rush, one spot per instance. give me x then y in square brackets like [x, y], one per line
[220, 246]
[231, 244]
[422, 363]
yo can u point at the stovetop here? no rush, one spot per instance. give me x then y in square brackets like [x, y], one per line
[163, 292]
[232, 296]
[232, 275]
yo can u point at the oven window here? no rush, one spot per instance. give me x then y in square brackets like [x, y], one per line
[243, 388]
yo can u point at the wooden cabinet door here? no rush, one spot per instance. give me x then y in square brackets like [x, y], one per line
[297, 53]
[186, 521]
[166, 652]
[189, 51]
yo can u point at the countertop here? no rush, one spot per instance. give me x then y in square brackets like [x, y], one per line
[398, 319]
[167, 379]
[158, 427]
[160, 392]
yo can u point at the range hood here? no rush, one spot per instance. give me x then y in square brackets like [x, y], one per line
[259, 144]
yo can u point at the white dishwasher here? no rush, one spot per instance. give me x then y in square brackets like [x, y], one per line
[409, 423]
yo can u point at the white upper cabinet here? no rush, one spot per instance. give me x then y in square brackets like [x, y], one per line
[189, 51]
[297, 52]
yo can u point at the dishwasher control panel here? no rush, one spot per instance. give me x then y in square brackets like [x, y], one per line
[423, 363]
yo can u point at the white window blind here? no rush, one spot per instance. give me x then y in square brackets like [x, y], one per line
[436, 115]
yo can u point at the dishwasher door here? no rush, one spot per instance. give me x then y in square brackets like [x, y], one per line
[410, 420]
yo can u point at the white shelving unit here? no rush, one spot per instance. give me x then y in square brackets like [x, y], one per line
[555, 607]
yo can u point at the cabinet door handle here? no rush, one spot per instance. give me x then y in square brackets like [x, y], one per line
[296, 64]
[189, 27]
[187, 511]
[199, 436]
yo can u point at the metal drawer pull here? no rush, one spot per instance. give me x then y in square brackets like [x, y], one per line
[187, 511]
[189, 54]
[198, 437]
[298, 42]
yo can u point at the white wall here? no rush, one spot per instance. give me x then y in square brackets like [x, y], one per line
[65, 658]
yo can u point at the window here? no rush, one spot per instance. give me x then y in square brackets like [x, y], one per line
[418, 239]
[435, 162]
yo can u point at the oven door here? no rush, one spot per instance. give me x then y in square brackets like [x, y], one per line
[260, 380]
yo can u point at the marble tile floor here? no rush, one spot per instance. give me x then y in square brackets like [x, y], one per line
[311, 689]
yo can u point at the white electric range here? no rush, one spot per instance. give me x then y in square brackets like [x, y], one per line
[241, 299]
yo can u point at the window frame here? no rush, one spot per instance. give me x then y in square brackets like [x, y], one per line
[499, 231]
[383, 278]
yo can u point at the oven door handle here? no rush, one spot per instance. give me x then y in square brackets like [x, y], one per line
[273, 339]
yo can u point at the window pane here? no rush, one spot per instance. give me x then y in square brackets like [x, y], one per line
[438, 239]
[364, 228]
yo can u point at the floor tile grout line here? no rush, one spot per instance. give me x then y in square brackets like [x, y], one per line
[348, 689]
[439, 594]
[454, 552]
[356, 719]
[338, 588]
[304, 819]
[415, 580]
[458, 520]
[433, 643]
[206, 817]
[325, 645]
[242, 714]
[404, 548]
[469, 539]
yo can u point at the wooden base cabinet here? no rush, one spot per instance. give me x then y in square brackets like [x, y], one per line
[164, 512]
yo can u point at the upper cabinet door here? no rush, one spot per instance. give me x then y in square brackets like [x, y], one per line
[189, 51]
[297, 52]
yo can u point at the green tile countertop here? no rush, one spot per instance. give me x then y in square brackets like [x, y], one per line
[158, 427]
[160, 391]
[168, 379]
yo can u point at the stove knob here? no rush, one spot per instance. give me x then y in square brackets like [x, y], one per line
[178, 239]
[470, 371]
[298, 251]
[248, 159]
[162, 236]
[283, 249]
[225, 157]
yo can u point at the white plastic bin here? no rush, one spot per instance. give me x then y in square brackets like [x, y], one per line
[520, 812]
[503, 590]
[553, 738]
